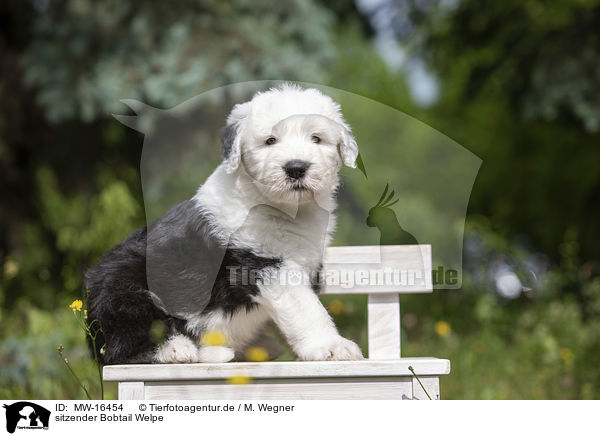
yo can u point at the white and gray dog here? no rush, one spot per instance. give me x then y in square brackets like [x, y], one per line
[246, 248]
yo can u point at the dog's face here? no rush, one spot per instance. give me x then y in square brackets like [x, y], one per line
[290, 141]
[295, 158]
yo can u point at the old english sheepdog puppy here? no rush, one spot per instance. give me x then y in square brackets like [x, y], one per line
[246, 248]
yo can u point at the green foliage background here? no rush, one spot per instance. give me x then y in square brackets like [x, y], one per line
[518, 86]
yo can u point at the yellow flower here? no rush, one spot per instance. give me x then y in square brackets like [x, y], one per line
[336, 307]
[85, 313]
[11, 269]
[257, 354]
[76, 305]
[442, 328]
[566, 355]
[214, 338]
[239, 379]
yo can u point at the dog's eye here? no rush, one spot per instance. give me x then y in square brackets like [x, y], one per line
[315, 139]
[271, 141]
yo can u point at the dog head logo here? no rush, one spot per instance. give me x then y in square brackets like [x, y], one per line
[26, 415]
[290, 143]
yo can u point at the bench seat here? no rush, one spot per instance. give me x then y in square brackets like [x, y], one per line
[365, 379]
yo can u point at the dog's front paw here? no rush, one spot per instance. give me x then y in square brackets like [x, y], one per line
[338, 348]
[178, 349]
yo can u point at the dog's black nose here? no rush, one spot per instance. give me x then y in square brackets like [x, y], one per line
[295, 169]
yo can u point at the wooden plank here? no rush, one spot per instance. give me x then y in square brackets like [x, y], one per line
[198, 371]
[372, 388]
[384, 326]
[131, 390]
[373, 269]
[432, 384]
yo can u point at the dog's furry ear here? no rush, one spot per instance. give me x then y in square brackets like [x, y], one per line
[231, 137]
[230, 147]
[348, 146]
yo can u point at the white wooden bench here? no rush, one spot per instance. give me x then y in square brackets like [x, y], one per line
[384, 375]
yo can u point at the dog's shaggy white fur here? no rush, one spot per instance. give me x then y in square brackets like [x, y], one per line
[273, 196]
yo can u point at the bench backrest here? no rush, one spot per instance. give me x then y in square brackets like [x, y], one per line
[381, 272]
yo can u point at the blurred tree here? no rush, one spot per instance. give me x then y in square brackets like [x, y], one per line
[519, 87]
[86, 55]
[543, 55]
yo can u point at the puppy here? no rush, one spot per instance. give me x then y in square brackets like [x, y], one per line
[246, 248]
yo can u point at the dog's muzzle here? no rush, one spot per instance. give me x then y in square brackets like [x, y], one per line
[296, 169]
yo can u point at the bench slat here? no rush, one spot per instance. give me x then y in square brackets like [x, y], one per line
[276, 370]
[339, 388]
[372, 269]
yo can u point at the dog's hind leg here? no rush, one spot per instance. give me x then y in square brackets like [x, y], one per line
[181, 349]
[177, 349]
[215, 354]
[125, 321]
